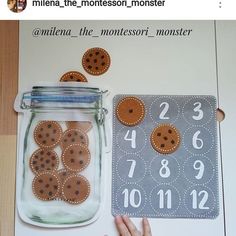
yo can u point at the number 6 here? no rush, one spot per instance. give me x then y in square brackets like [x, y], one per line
[196, 141]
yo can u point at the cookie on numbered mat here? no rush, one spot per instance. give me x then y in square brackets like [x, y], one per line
[46, 185]
[96, 61]
[44, 160]
[76, 157]
[73, 76]
[165, 139]
[130, 111]
[75, 189]
[73, 136]
[47, 134]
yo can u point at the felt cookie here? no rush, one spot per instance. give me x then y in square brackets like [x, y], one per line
[75, 189]
[96, 61]
[76, 157]
[47, 134]
[43, 159]
[63, 174]
[165, 139]
[130, 111]
[46, 185]
[85, 126]
[73, 136]
[73, 76]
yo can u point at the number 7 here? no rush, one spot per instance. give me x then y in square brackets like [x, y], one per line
[132, 167]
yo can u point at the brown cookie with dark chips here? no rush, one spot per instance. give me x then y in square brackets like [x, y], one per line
[44, 160]
[85, 126]
[76, 157]
[47, 134]
[165, 139]
[96, 61]
[63, 175]
[130, 111]
[73, 136]
[73, 76]
[46, 186]
[75, 189]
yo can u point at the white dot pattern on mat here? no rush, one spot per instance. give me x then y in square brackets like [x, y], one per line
[181, 184]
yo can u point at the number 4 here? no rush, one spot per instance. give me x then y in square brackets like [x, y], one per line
[132, 139]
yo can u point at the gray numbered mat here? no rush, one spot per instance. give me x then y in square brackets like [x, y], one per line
[164, 158]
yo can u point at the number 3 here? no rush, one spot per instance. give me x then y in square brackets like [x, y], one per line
[197, 108]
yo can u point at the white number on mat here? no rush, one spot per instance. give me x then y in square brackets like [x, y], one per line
[164, 111]
[162, 197]
[197, 109]
[198, 165]
[133, 198]
[132, 138]
[202, 202]
[196, 141]
[164, 170]
[132, 167]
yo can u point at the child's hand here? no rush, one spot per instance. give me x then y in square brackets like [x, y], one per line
[126, 227]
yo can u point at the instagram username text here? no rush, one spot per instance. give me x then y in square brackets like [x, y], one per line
[98, 3]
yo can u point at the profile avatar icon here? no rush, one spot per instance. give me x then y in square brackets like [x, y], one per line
[17, 5]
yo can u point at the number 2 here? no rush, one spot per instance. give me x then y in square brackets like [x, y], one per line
[164, 111]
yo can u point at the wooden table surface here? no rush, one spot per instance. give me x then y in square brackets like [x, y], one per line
[9, 45]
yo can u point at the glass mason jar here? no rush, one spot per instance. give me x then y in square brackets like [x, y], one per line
[60, 155]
